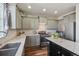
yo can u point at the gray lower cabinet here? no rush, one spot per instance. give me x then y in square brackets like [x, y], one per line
[32, 40]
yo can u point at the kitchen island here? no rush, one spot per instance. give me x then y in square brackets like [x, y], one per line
[60, 46]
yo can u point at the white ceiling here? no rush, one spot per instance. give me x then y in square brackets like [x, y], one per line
[62, 8]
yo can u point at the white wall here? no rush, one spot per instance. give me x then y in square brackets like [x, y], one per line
[77, 23]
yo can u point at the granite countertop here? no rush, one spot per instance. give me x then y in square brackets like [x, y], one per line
[21, 39]
[69, 45]
[14, 39]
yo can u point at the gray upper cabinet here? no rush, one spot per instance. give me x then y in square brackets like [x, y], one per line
[52, 24]
[30, 23]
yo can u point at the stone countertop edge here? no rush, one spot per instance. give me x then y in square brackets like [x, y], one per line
[69, 45]
[21, 39]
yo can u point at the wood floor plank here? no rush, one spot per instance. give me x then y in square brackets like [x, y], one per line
[36, 51]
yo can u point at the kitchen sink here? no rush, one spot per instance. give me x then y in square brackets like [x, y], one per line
[9, 49]
[8, 52]
[11, 45]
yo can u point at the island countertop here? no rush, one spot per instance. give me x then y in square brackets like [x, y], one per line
[69, 45]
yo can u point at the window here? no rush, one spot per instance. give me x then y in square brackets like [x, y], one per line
[3, 19]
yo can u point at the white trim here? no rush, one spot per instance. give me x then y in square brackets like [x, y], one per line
[61, 17]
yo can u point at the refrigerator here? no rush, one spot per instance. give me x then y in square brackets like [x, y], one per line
[70, 31]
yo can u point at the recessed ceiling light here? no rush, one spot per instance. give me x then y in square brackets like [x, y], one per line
[44, 9]
[55, 12]
[29, 7]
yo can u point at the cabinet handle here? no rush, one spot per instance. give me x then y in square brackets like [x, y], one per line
[58, 52]
[63, 55]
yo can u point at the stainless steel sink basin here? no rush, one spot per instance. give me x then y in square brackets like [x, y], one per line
[8, 52]
[9, 49]
[11, 45]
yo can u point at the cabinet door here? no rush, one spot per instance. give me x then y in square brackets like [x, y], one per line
[33, 41]
[27, 42]
[37, 38]
[54, 50]
[26, 23]
[52, 25]
[66, 52]
[30, 23]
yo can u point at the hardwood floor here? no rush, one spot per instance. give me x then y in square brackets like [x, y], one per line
[36, 51]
